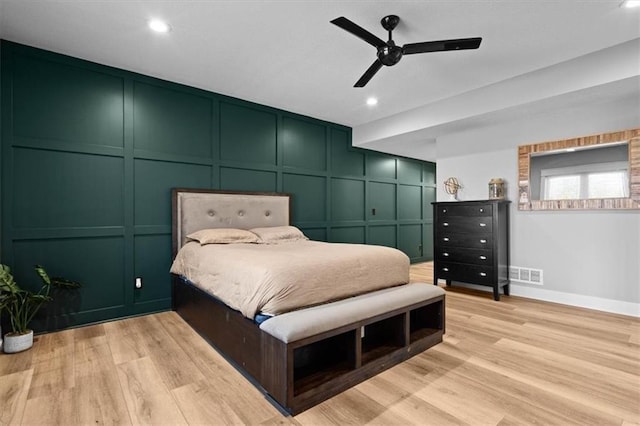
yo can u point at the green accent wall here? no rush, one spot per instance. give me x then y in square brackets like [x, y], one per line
[90, 154]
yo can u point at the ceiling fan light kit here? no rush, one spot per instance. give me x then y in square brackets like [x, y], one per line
[389, 54]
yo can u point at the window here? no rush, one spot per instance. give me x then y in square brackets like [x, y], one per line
[602, 180]
[562, 187]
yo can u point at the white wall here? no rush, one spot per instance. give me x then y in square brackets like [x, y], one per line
[589, 258]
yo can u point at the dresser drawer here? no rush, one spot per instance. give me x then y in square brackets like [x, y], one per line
[446, 239]
[447, 210]
[481, 224]
[476, 274]
[465, 255]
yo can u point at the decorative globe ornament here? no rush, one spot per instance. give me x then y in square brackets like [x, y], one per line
[451, 187]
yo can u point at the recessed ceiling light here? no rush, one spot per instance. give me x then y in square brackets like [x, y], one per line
[630, 3]
[372, 101]
[159, 26]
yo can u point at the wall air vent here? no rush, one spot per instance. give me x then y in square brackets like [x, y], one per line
[519, 274]
[536, 276]
[514, 273]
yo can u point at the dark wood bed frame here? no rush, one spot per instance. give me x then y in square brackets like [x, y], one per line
[301, 374]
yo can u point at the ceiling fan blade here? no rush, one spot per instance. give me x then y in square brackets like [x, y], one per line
[368, 74]
[358, 31]
[441, 45]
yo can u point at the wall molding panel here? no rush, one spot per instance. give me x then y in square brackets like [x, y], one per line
[90, 153]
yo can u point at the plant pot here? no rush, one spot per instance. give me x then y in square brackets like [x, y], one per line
[14, 342]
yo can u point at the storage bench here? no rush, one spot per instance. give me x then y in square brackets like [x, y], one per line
[315, 353]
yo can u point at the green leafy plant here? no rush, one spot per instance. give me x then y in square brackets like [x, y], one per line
[22, 305]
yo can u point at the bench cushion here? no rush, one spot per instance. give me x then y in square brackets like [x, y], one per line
[296, 325]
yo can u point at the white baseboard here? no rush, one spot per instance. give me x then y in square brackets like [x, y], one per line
[579, 300]
[571, 299]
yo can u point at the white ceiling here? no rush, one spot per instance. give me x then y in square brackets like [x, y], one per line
[286, 54]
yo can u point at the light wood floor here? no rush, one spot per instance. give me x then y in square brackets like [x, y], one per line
[516, 361]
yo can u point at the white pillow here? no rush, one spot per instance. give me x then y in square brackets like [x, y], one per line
[278, 234]
[223, 236]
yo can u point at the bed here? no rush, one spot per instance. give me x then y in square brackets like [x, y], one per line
[305, 352]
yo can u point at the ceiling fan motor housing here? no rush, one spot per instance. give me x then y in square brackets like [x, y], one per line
[390, 55]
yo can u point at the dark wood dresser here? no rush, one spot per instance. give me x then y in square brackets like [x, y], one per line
[471, 243]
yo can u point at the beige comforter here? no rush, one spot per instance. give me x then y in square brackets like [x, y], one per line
[277, 278]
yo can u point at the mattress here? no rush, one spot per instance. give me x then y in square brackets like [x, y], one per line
[272, 279]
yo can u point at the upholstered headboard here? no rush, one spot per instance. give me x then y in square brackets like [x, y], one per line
[195, 209]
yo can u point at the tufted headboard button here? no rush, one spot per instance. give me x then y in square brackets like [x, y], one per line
[211, 213]
[267, 213]
[240, 213]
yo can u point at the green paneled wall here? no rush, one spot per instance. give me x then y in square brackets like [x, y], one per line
[170, 121]
[51, 103]
[248, 135]
[347, 199]
[382, 201]
[248, 180]
[90, 153]
[310, 193]
[66, 190]
[304, 143]
[383, 235]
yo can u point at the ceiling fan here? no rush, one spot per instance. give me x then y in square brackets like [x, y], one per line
[389, 54]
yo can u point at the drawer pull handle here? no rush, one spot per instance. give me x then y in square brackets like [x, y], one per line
[445, 254]
[445, 239]
[481, 210]
[483, 257]
[483, 241]
[444, 210]
[482, 225]
[445, 269]
[445, 224]
[483, 274]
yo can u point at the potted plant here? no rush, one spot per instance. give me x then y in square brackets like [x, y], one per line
[22, 305]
